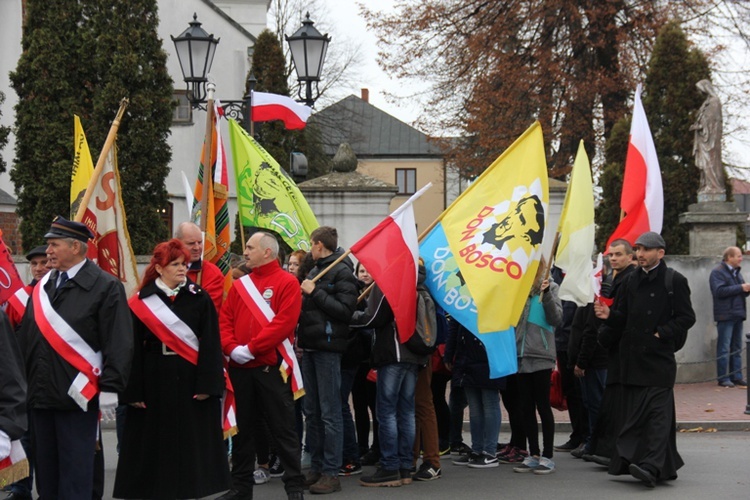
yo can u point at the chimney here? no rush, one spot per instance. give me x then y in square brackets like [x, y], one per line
[366, 95]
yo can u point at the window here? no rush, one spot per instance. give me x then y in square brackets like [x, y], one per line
[183, 111]
[166, 214]
[406, 180]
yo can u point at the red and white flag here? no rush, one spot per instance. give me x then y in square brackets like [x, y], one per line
[642, 199]
[390, 253]
[267, 107]
[10, 280]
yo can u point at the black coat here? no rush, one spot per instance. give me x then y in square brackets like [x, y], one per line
[584, 350]
[471, 368]
[12, 383]
[174, 447]
[94, 304]
[327, 311]
[641, 308]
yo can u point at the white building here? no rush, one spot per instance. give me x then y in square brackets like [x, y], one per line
[236, 22]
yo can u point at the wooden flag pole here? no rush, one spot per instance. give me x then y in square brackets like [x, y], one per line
[111, 136]
[206, 161]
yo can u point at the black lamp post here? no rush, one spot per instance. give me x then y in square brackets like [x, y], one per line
[195, 50]
[308, 47]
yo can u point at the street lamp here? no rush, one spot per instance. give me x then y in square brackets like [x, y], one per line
[308, 47]
[195, 51]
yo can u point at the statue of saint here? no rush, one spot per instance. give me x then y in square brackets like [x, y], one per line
[707, 142]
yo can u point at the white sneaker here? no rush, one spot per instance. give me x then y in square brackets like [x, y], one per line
[546, 466]
[529, 464]
[261, 475]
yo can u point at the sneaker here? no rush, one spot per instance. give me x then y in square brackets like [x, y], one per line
[261, 475]
[382, 477]
[276, 469]
[503, 449]
[569, 446]
[740, 383]
[444, 450]
[464, 459]
[579, 452]
[483, 461]
[546, 466]
[427, 472]
[326, 484]
[460, 449]
[350, 469]
[514, 456]
[372, 457]
[405, 475]
[306, 460]
[529, 464]
[725, 383]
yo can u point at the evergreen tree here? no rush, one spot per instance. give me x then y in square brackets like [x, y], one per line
[81, 57]
[4, 131]
[671, 101]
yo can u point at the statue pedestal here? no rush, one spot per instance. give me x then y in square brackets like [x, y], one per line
[712, 226]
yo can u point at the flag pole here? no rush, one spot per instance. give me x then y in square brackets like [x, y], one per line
[111, 136]
[206, 161]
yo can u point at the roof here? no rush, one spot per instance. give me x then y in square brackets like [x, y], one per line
[347, 181]
[371, 132]
[7, 199]
[231, 21]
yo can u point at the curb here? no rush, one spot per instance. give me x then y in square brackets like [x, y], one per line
[719, 425]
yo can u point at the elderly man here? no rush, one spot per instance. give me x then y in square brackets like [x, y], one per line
[257, 325]
[649, 320]
[77, 341]
[729, 291]
[212, 279]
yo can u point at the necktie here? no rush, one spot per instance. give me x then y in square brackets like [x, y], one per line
[63, 279]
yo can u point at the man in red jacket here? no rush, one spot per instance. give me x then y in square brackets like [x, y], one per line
[212, 280]
[257, 324]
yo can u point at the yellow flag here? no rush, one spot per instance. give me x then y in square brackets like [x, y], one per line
[495, 231]
[577, 234]
[83, 167]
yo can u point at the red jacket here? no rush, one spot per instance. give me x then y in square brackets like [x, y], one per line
[212, 281]
[239, 327]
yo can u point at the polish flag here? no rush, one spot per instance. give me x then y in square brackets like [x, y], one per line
[267, 107]
[390, 253]
[642, 199]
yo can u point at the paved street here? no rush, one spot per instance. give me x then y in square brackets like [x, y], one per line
[716, 467]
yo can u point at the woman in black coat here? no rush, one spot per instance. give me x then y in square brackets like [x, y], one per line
[172, 443]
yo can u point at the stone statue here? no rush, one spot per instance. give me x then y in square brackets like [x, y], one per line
[707, 145]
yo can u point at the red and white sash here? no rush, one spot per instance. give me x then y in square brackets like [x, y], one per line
[69, 345]
[19, 300]
[179, 337]
[15, 466]
[263, 314]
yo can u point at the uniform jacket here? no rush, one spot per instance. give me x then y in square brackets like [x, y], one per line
[94, 304]
[327, 311]
[12, 383]
[386, 345]
[212, 281]
[726, 289]
[642, 308]
[239, 326]
[471, 368]
[535, 345]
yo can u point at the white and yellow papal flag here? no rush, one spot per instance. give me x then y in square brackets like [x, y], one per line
[577, 234]
[105, 214]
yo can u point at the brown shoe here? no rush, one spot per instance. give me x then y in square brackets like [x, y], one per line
[311, 478]
[326, 484]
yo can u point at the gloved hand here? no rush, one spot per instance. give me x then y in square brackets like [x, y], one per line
[107, 405]
[4, 445]
[241, 355]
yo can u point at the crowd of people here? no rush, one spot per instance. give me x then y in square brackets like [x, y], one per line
[292, 344]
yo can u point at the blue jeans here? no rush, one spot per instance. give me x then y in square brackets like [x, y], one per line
[592, 390]
[321, 372]
[351, 449]
[395, 408]
[484, 419]
[729, 341]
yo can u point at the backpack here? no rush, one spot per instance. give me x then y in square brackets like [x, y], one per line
[424, 339]
[681, 336]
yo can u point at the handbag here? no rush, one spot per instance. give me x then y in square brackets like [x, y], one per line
[556, 397]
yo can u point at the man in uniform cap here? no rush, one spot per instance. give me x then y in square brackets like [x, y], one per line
[77, 341]
[649, 321]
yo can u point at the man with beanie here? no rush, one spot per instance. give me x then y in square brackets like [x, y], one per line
[649, 320]
[76, 337]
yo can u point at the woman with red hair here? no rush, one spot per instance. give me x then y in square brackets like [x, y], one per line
[172, 443]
